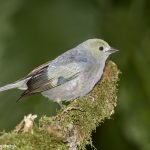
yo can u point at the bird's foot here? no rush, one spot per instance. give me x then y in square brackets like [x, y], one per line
[71, 108]
[67, 110]
[93, 99]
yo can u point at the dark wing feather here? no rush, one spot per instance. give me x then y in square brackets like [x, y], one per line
[38, 77]
[40, 80]
[38, 69]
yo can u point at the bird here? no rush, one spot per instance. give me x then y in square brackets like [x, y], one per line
[69, 76]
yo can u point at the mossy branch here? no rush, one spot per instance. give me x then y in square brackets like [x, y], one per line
[72, 127]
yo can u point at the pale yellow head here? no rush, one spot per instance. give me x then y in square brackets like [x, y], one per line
[98, 48]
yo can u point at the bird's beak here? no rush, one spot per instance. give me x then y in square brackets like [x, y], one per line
[112, 50]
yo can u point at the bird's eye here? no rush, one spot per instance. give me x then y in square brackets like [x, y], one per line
[101, 48]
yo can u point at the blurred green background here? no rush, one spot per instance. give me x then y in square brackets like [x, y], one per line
[35, 31]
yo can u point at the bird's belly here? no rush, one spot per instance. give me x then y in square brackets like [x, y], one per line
[65, 92]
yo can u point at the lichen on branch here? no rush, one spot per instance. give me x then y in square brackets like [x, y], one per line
[72, 127]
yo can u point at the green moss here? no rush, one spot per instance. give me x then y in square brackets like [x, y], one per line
[38, 140]
[73, 126]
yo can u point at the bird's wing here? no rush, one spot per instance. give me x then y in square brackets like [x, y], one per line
[48, 76]
[37, 69]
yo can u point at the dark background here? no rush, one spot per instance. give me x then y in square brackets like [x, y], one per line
[33, 32]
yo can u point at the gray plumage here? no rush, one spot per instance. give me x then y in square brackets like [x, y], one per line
[71, 75]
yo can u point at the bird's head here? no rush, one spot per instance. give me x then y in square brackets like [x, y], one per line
[98, 48]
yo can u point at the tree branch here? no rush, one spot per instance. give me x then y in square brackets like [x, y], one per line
[72, 127]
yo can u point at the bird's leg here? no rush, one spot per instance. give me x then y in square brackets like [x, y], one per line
[61, 105]
[60, 102]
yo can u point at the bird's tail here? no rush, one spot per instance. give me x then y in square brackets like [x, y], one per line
[20, 84]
